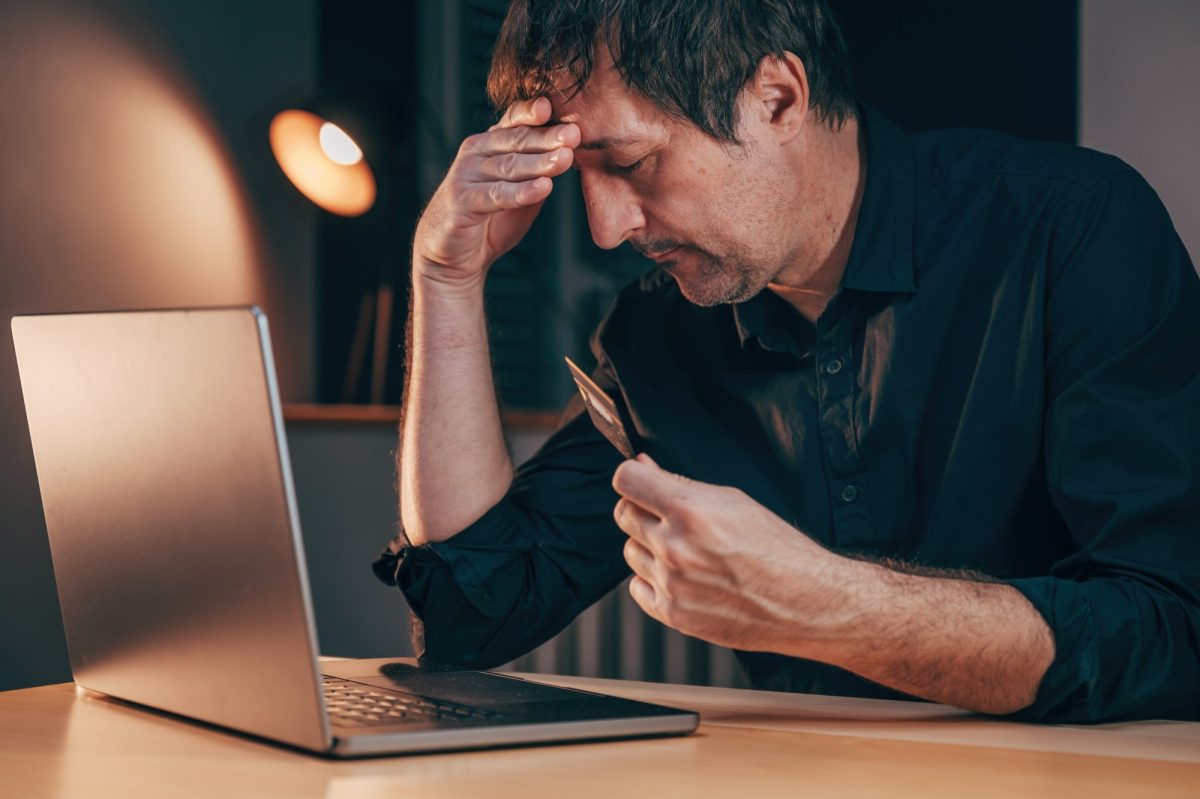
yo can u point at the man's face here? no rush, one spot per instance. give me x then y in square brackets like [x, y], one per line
[714, 216]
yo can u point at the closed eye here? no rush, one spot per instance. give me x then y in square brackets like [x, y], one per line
[631, 168]
[612, 165]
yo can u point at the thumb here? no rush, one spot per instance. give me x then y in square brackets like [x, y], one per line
[648, 461]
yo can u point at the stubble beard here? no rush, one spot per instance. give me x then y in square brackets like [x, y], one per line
[707, 279]
[719, 281]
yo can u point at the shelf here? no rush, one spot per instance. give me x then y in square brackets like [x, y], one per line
[307, 413]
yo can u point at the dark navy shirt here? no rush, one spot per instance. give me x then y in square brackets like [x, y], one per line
[1007, 382]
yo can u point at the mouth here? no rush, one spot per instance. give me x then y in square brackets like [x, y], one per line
[659, 257]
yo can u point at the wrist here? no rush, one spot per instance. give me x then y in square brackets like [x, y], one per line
[432, 282]
[447, 316]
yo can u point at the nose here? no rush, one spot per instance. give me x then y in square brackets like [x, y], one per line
[613, 209]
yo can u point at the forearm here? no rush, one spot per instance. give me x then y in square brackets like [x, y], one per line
[453, 461]
[715, 564]
[975, 645]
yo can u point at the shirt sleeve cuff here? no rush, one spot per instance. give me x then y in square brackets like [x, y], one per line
[1069, 687]
[472, 559]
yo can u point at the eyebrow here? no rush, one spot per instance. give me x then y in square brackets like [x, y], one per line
[609, 142]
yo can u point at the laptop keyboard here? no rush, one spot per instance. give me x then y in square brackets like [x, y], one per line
[352, 704]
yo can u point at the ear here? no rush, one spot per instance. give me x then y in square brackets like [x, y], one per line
[778, 96]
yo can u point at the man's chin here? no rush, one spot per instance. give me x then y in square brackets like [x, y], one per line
[709, 292]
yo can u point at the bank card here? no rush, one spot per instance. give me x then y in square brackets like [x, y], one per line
[602, 410]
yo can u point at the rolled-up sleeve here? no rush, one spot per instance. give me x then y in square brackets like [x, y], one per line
[1122, 453]
[524, 570]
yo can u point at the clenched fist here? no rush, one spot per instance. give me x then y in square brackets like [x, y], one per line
[712, 563]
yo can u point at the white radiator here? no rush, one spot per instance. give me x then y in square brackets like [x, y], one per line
[615, 639]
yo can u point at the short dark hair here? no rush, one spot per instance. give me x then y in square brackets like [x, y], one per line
[690, 58]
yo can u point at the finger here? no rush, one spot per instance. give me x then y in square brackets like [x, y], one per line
[635, 522]
[523, 139]
[653, 488]
[520, 166]
[488, 198]
[643, 594]
[525, 112]
[640, 559]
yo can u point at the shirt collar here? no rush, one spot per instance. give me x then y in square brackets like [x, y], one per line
[770, 320]
[881, 258]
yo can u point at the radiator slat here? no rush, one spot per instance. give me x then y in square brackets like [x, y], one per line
[615, 639]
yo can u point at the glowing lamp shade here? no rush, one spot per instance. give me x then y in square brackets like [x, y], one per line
[338, 145]
[323, 162]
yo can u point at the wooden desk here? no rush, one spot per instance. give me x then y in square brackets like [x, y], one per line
[55, 743]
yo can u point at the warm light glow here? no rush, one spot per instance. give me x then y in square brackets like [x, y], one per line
[340, 148]
[297, 141]
[116, 189]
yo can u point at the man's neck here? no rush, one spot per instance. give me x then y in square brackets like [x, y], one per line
[816, 276]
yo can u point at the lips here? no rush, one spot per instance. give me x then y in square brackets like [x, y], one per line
[659, 256]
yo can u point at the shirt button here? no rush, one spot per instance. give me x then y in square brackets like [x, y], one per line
[849, 493]
[833, 367]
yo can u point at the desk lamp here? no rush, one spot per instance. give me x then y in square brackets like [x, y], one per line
[336, 152]
[323, 161]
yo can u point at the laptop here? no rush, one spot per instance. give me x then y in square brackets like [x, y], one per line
[167, 490]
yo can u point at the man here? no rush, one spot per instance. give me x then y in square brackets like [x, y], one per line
[917, 414]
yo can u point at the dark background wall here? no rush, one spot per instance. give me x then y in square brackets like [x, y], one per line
[367, 55]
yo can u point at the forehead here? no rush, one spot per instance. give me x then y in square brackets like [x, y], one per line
[608, 112]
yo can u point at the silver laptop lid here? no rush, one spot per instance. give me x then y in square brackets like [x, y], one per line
[166, 485]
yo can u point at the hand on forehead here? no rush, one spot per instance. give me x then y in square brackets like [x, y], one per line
[610, 115]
